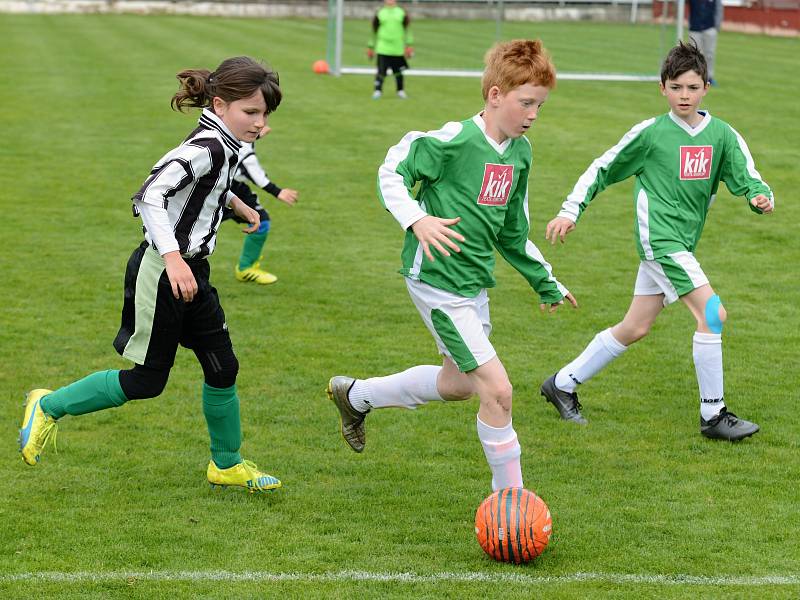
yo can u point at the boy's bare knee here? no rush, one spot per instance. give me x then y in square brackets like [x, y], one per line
[500, 394]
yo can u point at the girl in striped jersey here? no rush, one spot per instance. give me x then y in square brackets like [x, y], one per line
[168, 298]
[678, 160]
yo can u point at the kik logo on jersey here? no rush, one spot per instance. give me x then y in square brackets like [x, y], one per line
[696, 162]
[496, 187]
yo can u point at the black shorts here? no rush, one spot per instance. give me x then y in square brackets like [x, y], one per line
[154, 323]
[247, 196]
[397, 64]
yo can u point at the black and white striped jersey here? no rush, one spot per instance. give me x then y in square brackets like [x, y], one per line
[192, 183]
[251, 170]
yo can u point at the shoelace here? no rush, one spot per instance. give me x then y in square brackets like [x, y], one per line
[257, 478]
[575, 404]
[50, 430]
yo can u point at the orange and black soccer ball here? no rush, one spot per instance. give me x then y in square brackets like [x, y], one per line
[513, 525]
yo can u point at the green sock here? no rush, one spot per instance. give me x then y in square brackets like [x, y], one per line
[92, 393]
[251, 250]
[221, 409]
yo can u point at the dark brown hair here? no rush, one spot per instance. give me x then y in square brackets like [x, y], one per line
[515, 63]
[235, 78]
[683, 58]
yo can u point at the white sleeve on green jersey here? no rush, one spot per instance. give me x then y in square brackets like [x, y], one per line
[417, 157]
[617, 164]
[739, 171]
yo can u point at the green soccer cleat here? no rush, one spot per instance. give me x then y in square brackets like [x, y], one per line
[255, 274]
[352, 421]
[245, 474]
[37, 427]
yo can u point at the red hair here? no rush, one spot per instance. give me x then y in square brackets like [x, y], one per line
[515, 63]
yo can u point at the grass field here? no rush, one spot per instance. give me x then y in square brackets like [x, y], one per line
[643, 507]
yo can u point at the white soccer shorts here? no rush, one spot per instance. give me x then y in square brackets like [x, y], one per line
[460, 325]
[674, 275]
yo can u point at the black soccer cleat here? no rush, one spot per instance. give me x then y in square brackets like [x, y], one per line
[565, 402]
[727, 426]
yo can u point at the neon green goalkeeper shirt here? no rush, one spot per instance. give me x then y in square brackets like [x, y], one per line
[390, 32]
[464, 173]
[678, 169]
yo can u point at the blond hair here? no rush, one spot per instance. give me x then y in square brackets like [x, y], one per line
[515, 63]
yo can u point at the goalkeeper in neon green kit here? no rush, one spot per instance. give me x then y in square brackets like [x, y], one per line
[472, 200]
[678, 160]
[392, 42]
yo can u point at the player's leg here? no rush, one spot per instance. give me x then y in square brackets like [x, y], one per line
[709, 51]
[148, 306]
[561, 389]
[249, 266]
[691, 284]
[495, 431]
[206, 333]
[716, 421]
[383, 67]
[457, 325]
[398, 66]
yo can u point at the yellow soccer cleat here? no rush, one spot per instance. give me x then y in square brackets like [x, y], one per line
[256, 274]
[37, 427]
[245, 474]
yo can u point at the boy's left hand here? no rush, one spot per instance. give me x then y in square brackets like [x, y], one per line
[240, 209]
[554, 307]
[762, 203]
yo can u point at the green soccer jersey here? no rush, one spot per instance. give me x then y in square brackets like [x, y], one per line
[391, 34]
[678, 169]
[463, 173]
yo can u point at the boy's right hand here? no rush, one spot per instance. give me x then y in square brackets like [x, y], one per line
[434, 231]
[288, 195]
[180, 277]
[558, 228]
[370, 53]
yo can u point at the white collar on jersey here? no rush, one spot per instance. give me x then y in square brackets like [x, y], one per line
[692, 131]
[500, 148]
[209, 119]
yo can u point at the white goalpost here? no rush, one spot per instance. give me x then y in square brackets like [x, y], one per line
[668, 25]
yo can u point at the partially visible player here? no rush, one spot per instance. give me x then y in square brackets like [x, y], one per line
[678, 160]
[472, 200]
[169, 300]
[249, 267]
[392, 42]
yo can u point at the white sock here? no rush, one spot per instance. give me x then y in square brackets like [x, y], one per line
[601, 350]
[409, 389]
[707, 354]
[502, 450]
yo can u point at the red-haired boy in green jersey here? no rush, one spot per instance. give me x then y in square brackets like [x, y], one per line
[678, 160]
[472, 200]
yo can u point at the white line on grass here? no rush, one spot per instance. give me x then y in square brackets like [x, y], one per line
[361, 576]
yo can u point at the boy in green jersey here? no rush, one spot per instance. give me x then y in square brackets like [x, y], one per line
[392, 41]
[472, 200]
[678, 160]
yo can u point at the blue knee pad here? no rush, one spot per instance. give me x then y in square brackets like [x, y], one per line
[712, 314]
[263, 228]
